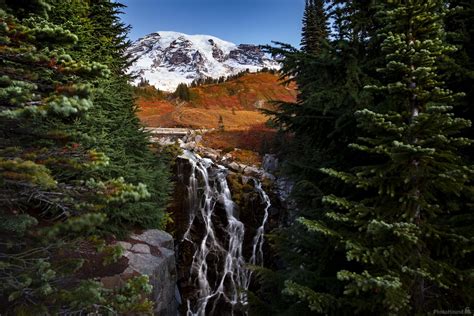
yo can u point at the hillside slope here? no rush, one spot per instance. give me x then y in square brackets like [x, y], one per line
[238, 102]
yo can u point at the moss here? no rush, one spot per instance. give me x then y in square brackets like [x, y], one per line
[240, 190]
[267, 184]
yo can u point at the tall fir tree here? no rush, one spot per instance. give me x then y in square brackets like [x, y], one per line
[182, 92]
[322, 125]
[57, 186]
[315, 29]
[458, 67]
[112, 125]
[409, 236]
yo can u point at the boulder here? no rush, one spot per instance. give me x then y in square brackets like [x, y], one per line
[209, 153]
[235, 166]
[155, 237]
[252, 171]
[189, 146]
[227, 157]
[270, 163]
[140, 248]
[198, 139]
[151, 253]
[268, 177]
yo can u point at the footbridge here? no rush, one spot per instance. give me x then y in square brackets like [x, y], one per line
[162, 134]
[168, 132]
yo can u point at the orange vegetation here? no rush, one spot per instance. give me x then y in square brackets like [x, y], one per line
[247, 157]
[249, 92]
[238, 102]
[153, 112]
[258, 138]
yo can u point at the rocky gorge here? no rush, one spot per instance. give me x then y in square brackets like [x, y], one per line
[221, 211]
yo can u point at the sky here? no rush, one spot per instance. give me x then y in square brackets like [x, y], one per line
[237, 21]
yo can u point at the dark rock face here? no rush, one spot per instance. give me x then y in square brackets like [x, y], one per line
[180, 43]
[198, 59]
[180, 53]
[218, 54]
[178, 58]
[192, 229]
[177, 53]
[270, 163]
[146, 44]
[247, 54]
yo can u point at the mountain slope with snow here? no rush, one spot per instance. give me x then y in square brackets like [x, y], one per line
[166, 59]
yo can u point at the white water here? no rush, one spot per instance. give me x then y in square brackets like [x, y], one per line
[258, 240]
[208, 187]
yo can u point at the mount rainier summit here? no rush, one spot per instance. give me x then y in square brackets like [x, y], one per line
[166, 59]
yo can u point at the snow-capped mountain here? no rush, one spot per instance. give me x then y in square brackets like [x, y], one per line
[167, 59]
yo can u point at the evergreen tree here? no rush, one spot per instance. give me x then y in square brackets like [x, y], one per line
[220, 123]
[409, 236]
[112, 125]
[315, 28]
[182, 92]
[458, 69]
[57, 186]
[400, 242]
[322, 124]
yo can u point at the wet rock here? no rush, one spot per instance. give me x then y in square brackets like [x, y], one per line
[251, 171]
[209, 153]
[189, 146]
[208, 213]
[211, 156]
[235, 166]
[270, 163]
[268, 177]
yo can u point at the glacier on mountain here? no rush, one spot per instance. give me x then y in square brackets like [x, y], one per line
[166, 59]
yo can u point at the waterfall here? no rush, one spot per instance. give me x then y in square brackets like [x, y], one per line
[218, 271]
[258, 240]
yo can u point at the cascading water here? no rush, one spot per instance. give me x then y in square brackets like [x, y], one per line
[218, 271]
[258, 240]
